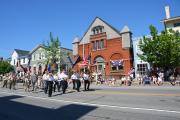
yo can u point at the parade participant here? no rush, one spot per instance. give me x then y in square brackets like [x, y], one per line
[64, 82]
[59, 81]
[74, 78]
[40, 81]
[45, 81]
[27, 82]
[50, 84]
[55, 82]
[78, 82]
[12, 81]
[86, 81]
[5, 80]
[34, 79]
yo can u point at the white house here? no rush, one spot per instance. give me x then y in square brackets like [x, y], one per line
[39, 59]
[171, 22]
[19, 57]
[140, 66]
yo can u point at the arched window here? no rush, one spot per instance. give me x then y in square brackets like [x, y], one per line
[97, 29]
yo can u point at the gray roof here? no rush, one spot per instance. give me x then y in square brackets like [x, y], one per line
[37, 47]
[171, 19]
[22, 53]
[66, 48]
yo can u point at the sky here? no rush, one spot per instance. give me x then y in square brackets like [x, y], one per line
[24, 24]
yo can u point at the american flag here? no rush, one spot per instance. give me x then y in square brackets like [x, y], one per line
[85, 61]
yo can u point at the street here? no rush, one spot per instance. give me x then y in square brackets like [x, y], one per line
[101, 102]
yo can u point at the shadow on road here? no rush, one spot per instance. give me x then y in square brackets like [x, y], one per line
[11, 110]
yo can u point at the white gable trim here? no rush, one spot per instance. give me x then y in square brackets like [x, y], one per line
[110, 32]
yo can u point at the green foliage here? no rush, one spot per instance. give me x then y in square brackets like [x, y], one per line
[5, 67]
[53, 50]
[161, 50]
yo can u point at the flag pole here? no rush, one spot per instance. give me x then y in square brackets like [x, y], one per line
[83, 54]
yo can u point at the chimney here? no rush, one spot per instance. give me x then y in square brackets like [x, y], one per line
[167, 12]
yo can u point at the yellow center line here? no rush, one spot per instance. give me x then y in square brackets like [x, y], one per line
[139, 94]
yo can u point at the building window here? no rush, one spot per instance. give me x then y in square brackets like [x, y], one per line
[14, 61]
[97, 29]
[43, 56]
[100, 29]
[116, 68]
[176, 24]
[102, 43]
[40, 56]
[141, 69]
[94, 32]
[23, 60]
[116, 65]
[34, 57]
[98, 45]
[94, 45]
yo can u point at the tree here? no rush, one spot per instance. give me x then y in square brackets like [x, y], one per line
[53, 53]
[5, 67]
[161, 50]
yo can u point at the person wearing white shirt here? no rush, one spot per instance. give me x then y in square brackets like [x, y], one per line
[74, 78]
[63, 82]
[78, 82]
[50, 84]
[55, 82]
[45, 81]
[86, 81]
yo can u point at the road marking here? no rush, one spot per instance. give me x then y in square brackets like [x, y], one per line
[93, 104]
[141, 94]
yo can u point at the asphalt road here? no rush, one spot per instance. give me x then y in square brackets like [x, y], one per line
[101, 103]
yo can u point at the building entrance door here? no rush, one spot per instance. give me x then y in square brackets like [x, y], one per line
[100, 65]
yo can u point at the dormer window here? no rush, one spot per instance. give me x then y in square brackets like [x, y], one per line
[97, 29]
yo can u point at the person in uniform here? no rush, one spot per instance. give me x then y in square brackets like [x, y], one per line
[5, 80]
[86, 81]
[50, 84]
[55, 82]
[74, 78]
[78, 82]
[12, 81]
[34, 79]
[45, 81]
[64, 82]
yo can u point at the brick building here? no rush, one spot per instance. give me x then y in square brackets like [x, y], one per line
[107, 50]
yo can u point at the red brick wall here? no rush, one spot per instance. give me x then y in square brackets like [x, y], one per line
[112, 46]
